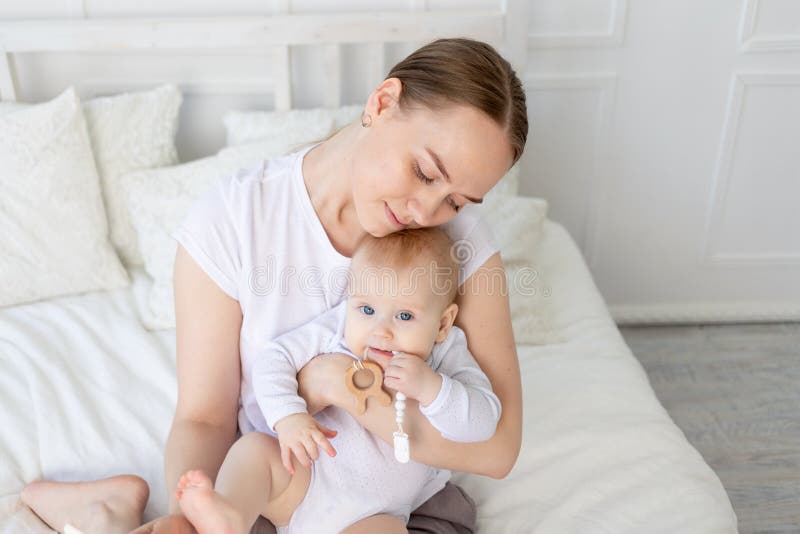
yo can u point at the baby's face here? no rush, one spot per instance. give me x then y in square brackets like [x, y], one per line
[390, 309]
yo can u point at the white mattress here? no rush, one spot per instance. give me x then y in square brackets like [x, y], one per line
[87, 392]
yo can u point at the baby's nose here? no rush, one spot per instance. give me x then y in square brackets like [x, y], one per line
[383, 331]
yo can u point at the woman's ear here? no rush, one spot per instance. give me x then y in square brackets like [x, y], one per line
[446, 321]
[386, 96]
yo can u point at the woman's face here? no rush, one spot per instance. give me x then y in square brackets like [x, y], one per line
[416, 168]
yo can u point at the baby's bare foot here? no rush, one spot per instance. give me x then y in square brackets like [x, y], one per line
[207, 510]
[113, 505]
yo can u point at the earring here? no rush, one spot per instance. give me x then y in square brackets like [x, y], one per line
[366, 122]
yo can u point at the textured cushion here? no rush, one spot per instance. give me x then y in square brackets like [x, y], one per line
[130, 131]
[54, 234]
[517, 224]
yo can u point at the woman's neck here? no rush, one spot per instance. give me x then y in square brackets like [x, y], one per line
[326, 173]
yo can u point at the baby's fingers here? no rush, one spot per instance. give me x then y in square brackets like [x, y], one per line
[286, 459]
[311, 447]
[301, 454]
[323, 442]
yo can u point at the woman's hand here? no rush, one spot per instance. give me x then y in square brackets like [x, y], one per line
[169, 524]
[322, 379]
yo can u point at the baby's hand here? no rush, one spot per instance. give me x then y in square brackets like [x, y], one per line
[300, 434]
[412, 376]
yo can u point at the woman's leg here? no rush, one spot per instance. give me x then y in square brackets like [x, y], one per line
[383, 523]
[251, 482]
[113, 505]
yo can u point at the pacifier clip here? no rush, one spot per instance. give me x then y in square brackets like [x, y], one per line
[365, 379]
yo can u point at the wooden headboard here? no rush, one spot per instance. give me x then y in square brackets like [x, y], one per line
[269, 41]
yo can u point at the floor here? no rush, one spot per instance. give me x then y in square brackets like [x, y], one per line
[734, 390]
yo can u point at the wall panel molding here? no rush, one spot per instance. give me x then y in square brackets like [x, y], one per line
[612, 35]
[722, 176]
[605, 84]
[751, 41]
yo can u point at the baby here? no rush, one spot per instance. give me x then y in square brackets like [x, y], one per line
[401, 291]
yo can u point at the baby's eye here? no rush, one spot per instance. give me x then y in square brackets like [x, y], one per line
[367, 310]
[405, 316]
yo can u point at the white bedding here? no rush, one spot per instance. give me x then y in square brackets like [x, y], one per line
[87, 392]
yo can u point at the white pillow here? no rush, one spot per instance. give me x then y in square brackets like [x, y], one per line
[130, 131]
[54, 233]
[249, 126]
[517, 224]
[159, 200]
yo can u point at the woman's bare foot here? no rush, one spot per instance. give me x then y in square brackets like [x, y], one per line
[112, 505]
[208, 511]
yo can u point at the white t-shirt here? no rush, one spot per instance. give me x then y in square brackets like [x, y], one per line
[256, 234]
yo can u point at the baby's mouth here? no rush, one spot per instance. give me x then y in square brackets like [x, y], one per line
[380, 352]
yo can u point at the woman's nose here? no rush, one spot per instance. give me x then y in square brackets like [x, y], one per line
[422, 210]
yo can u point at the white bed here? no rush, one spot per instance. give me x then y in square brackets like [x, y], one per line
[87, 388]
[88, 392]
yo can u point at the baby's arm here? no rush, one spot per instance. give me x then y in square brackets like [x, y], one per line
[466, 409]
[275, 370]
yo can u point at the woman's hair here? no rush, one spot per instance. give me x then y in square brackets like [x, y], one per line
[465, 71]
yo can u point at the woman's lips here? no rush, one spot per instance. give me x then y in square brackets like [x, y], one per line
[392, 218]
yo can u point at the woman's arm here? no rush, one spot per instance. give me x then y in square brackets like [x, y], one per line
[208, 324]
[485, 317]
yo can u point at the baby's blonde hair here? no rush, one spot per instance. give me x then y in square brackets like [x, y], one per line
[421, 247]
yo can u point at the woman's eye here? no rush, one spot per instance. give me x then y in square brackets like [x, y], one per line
[367, 310]
[453, 204]
[421, 176]
[405, 316]
[426, 180]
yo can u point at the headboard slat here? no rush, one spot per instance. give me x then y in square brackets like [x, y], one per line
[8, 82]
[106, 35]
[376, 65]
[332, 75]
[283, 78]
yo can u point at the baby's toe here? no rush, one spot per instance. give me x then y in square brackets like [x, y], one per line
[198, 479]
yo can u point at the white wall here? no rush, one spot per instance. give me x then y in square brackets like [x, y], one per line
[664, 134]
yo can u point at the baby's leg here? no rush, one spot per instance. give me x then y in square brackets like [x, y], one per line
[383, 523]
[251, 482]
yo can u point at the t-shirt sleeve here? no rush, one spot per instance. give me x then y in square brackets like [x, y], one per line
[473, 240]
[211, 231]
[466, 409]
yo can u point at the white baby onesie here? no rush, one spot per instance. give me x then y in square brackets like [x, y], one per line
[364, 479]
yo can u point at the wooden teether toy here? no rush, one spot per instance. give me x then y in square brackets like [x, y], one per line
[364, 379]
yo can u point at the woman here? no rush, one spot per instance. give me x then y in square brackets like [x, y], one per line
[436, 135]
